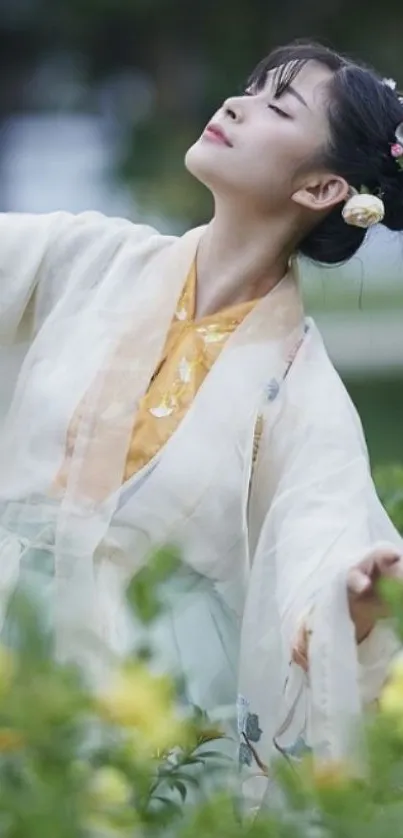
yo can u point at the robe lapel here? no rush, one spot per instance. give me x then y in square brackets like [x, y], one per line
[211, 453]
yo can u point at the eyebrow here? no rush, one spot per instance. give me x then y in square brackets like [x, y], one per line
[288, 89]
[291, 89]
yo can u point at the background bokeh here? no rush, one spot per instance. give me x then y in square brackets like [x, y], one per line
[99, 100]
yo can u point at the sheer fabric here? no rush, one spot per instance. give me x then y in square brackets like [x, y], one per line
[273, 544]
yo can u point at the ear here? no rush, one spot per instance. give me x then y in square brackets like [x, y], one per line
[323, 193]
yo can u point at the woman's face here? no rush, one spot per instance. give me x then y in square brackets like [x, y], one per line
[258, 146]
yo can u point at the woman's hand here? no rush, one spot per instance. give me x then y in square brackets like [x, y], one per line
[366, 605]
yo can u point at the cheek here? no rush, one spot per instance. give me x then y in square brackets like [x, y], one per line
[265, 165]
[274, 155]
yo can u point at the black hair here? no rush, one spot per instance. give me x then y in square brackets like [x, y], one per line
[363, 114]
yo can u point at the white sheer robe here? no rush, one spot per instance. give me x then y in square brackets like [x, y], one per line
[102, 293]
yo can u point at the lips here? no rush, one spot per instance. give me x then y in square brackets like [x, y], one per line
[216, 133]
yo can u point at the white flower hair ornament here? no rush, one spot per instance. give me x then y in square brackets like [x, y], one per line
[363, 210]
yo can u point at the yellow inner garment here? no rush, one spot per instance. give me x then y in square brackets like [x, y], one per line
[191, 348]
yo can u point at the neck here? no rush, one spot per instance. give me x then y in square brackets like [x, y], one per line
[240, 259]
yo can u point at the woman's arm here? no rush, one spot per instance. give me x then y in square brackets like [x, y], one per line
[25, 264]
[40, 255]
[334, 541]
[365, 604]
[323, 519]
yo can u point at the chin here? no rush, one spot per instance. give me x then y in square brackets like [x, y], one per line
[194, 158]
[201, 162]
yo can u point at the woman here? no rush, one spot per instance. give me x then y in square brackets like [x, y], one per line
[173, 390]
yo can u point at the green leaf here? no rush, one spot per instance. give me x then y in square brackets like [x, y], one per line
[169, 804]
[391, 591]
[181, 788]
[25, 628]
[144, 592]
[142, 598]
[164, 563]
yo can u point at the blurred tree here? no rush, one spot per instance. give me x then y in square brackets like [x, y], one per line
[194, 54]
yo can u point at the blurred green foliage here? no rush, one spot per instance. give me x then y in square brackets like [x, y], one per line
[194, 55]
[79, 765]
[389, 482]
[379, 402]
[74, 764]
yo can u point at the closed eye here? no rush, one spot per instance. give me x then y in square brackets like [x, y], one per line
[250, 92]
[279, 111]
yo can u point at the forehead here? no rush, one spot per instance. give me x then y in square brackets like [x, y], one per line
[310, 81]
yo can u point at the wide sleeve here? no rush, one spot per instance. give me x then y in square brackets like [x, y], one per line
[38, 257]
[323, 516]
[328, 518]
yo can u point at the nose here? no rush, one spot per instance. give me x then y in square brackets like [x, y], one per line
[233, 108]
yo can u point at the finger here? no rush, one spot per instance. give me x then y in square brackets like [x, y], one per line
[382, 561]
[382, 551]
[383, 554]
[300, 647]
[386, 563]
[390, 560]
[390, 565]
[300, 658]
[358, 582]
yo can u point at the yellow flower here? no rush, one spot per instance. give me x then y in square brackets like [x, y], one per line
[315, 776]
[143, 703]
[10, 740]
[396, 671]
[391, 700]
[109, 788]
[111, 814]
[330, 775]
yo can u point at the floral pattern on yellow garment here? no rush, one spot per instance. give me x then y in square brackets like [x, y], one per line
[191, 348]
